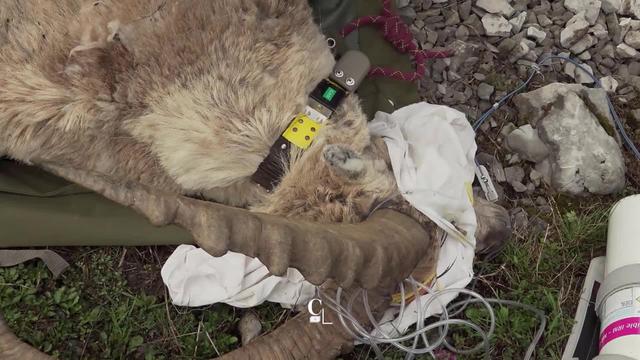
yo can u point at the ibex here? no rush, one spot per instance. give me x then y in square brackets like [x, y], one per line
[156, 104]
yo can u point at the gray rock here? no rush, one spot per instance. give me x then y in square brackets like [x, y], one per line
[529, 104]
[496, 25]
[464, 9]
[576, 28]
[585, 56]
[514, 159]
[485, 91]
[519, 219]
[625, 51]
[518, 21]
[407, 13]
[635, 118]
[453, 19]
[402, 3]
[599, 31]
[514, 174]
[630, 7]
[536, 34]
[609, 84]
[462, 33]
[506, 46]
[249, 327]
[519, 51]
[634, 68]
[544, 20]
[500, 7]
[479, 76]
[633, 39]
[583, 44]
[614, 28]
[432, 36]
[536, 177]
[583, 157]
[507, 129]
[611, 6]
[587, 159]
[591, 8]
[525, 142]
[582, 77]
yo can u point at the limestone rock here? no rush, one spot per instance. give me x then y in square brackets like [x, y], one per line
[625, 51]
[583, 158]
[544, 20]
[500, 7]
[633, 39]
[529, 104]
[599, 31]
[591, 8]
[629, 7]
[587, 159]
[518, 21]
[496, 25]
[514, 174]
[249, 327]
[576, 28]
[583, 44]
[519, 51]
[538, 35]
[485, 91]
[609, 84]
[611, 6]
[526, 143]
[582, 77]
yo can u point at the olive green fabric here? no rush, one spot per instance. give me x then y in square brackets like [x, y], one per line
[39, 209]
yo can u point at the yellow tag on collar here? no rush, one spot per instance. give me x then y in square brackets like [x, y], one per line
[301, 131]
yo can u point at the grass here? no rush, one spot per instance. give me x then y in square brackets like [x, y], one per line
[544, 269]
[111, 304]
[94, 311]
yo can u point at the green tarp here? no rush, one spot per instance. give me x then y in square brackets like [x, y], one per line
[39, 209]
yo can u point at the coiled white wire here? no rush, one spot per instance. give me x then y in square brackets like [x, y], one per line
[361, 334]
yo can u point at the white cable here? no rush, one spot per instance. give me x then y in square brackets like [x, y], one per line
[361, 334]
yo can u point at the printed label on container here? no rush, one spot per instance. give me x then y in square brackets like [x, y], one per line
[621, 315]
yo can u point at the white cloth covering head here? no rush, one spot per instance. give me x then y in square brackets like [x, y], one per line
[432, 151]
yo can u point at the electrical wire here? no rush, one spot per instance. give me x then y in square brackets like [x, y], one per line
[361, 334]
[619, 126]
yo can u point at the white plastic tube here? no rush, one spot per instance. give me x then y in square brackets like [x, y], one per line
[618, 303]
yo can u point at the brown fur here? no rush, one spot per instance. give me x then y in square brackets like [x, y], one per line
[184, 96]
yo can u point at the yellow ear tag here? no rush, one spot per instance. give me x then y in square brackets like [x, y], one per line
[302, 131]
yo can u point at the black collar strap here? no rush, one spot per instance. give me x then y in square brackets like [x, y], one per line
[323, 101]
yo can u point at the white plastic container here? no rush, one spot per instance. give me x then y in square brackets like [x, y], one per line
[618, 302]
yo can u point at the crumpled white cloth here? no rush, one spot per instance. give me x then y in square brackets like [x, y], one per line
[432, 149]
[195, 278]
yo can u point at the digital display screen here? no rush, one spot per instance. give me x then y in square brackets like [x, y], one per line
[329, 93]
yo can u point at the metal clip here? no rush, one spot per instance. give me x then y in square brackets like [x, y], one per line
[486, 184]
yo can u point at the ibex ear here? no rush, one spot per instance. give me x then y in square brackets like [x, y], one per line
[344, 161]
